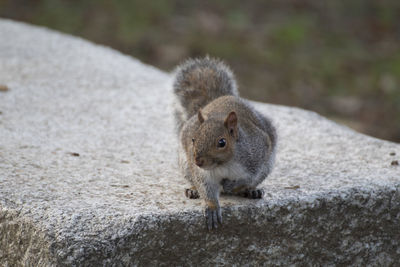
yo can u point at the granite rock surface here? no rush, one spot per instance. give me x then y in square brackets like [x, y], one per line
[89, 176]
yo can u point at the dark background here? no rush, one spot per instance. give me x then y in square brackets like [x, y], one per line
[339, 58]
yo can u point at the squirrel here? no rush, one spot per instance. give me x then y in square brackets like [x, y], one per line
[225, 145]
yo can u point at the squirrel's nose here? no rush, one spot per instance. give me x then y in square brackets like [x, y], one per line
[199, 161]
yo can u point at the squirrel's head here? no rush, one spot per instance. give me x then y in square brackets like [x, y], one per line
[214, 141]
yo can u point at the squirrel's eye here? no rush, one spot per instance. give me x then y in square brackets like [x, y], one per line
[221, 142]
[192, 140]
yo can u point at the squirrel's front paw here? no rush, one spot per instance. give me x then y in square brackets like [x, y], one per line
[213, 216]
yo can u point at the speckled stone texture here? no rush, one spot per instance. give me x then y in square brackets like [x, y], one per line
[89, 176]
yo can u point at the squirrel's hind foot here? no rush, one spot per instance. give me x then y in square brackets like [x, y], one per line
[253, 193]
[239, 188]
[191, 193]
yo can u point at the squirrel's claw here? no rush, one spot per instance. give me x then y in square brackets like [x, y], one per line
[219, 216]
[213, 217]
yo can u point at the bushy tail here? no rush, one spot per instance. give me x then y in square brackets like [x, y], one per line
[197, 83]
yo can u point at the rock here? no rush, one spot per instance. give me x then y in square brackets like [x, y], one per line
[88, 173]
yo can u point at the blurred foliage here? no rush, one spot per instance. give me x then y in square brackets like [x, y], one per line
[339, 58]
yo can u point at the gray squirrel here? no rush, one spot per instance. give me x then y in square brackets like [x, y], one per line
[225, 145]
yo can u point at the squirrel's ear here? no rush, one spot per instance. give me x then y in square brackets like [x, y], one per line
[231, 123]
[200, 116]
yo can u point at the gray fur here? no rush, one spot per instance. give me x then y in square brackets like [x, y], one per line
[194, 87]
[248, 157]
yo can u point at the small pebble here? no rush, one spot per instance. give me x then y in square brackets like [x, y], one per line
[3, 88]
[119, 185]
[395, 163]
[393, 154]
[292, 187]
[74, 154]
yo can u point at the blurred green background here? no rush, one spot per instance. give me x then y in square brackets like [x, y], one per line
[339, 58]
